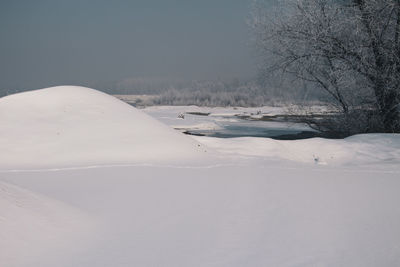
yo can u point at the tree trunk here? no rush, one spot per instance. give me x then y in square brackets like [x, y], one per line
[386, 97]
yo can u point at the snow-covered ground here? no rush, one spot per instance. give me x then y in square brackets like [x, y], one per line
[87, 180]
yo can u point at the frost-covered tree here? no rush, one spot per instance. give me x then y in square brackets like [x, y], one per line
[348, 48]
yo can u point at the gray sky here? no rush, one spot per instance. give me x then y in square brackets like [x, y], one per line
[52, 42]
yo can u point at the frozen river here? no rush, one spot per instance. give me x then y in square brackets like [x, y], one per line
[229, 122]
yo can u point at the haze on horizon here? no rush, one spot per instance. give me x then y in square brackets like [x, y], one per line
[53, 42]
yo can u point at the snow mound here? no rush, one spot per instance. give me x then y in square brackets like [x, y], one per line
[32, 224]
[355, 150]
[69, 126]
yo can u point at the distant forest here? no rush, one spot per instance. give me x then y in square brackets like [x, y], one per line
[214, 93]
[234, 92]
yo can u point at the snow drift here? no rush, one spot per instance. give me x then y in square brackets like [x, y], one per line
[69, 126]
[362, 149]
[32, 224]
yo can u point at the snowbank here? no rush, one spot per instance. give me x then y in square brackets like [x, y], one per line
[75, 126]
[354, 150]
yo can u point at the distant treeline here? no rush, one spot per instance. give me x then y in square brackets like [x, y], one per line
[212, 93]
[235, 92]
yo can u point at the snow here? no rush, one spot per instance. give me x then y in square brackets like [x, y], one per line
[129, 191]
[363, 149]
[70, 126]
[30, 223]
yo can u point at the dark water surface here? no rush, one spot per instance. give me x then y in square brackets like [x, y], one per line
[275, 131]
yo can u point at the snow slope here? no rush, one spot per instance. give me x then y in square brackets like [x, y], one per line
[356, 150]
[70, 126]
[252, 202]
[32, 224]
